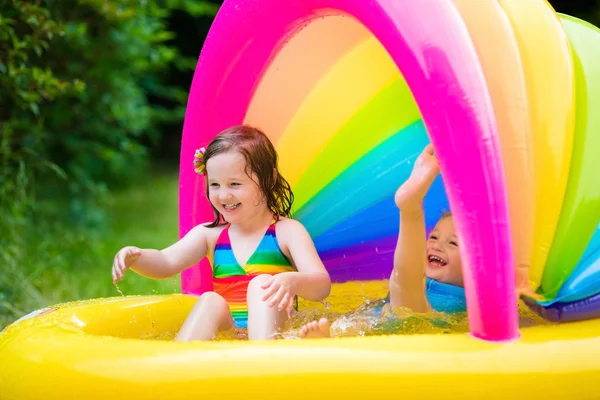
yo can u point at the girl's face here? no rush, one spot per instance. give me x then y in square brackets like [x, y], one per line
[443, 259]
[232, 192]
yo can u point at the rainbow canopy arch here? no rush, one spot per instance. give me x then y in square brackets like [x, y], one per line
[351, 91]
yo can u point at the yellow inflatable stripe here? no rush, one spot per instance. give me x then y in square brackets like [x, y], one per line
[297, 68]
[498, 52]
[549, 77]
[356, 79]
[392, 110]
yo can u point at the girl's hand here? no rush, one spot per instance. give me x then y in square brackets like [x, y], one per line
[280, 290]
[415, 188]
[123, 260]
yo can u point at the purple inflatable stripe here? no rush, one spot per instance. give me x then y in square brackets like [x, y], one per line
[569, 312]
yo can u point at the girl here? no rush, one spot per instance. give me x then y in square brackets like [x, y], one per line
[427, 274]
[261, 259]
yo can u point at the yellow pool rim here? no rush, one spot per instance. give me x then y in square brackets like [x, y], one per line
[72, 352]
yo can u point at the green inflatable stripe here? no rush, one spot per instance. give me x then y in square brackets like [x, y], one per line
[581, 209]
[389, 112]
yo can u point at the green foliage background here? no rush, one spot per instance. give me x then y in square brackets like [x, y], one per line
[87, 97]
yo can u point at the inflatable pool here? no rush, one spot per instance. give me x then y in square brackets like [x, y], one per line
[350, 91]
[120, 348]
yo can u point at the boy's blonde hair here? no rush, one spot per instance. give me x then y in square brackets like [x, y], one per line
[446, 214]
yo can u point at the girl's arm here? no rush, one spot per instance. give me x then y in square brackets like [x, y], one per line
[407, 281]
[312, 280]
[163, 264]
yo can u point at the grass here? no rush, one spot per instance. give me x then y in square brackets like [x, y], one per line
[63, 265]
[145, 216]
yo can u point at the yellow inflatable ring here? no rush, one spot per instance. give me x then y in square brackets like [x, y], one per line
[91, 350]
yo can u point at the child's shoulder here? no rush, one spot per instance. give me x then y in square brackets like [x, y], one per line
[289, 226]
[211, 233]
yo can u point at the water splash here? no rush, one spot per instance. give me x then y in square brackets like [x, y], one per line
[119, 290]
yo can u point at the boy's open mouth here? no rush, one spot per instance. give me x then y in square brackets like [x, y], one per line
[435, 261]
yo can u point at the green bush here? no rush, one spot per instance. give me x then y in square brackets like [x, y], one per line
[82, 92]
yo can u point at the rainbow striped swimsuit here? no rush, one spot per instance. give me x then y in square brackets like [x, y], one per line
[231, 280]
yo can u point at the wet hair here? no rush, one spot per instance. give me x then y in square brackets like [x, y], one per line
[261, 159]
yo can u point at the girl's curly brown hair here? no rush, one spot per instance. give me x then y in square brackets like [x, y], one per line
[261, 158]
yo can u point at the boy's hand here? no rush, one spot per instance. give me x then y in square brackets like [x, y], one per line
[424, 172]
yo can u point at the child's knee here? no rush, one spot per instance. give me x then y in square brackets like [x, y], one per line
[255, 289]
[213, 301]
[257, 282]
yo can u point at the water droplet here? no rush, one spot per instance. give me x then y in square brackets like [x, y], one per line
[119, 290]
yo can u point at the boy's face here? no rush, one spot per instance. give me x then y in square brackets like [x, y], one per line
[443, 259]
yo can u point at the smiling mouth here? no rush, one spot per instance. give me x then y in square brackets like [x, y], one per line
[231, 207]
[435, 261]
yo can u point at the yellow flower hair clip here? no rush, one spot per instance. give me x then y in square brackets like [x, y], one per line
[199, 165]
